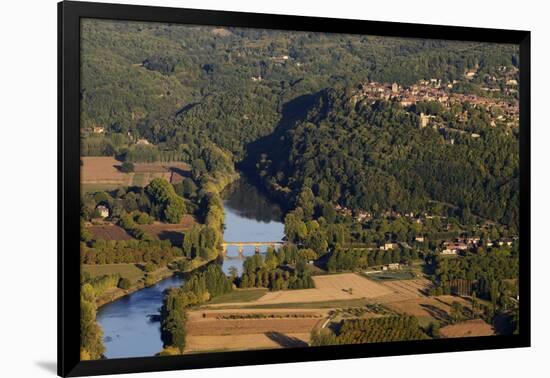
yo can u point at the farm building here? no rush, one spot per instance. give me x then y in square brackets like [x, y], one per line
[103, 211]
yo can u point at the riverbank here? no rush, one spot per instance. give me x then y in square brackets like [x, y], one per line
[153, 278]
[143, 280]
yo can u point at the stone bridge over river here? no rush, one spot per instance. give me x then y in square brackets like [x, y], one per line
[256, 244]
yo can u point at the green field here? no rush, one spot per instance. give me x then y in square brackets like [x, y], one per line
[130, 271]
[90, 188]
[140, 179]
[392, 275]
[239, 295]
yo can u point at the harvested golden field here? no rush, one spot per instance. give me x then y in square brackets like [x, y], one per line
[245, 342]
[400, 290]
[102, 169]
[327, 288]
[437, 308]
[212, 327]
[409, 297]
[469, 328]
[106, 170]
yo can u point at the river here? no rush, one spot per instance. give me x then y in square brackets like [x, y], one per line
[249, 217]
[127, 328]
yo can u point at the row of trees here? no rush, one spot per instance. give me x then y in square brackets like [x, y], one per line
[200, 241]
[372, 330]
[128, 223]
[199, 288]
[100, 284]
[129, 251]
[91, 335]
[271, 272]
[346, 259]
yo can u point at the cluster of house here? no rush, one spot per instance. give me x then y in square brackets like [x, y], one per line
[362, 215]
[461, 245]
[433, 90]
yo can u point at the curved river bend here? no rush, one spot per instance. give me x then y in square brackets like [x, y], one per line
[128, 329]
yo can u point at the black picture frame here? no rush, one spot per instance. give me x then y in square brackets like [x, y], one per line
[69, 15]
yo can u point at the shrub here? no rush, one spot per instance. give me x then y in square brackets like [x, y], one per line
[124, 283]
[127, 167]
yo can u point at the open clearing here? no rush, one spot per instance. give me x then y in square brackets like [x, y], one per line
[163, 231]
[327, 288]
[469, 328]
[130, 271]
[102, 169]
[108, 232]
[409, 297]
[212, 327]
[391, 275]
[244, 342]
[239, 295]
[268, 319]
[406, 289]
[103, 173]
[169, 231]
[435, 308]
[210, 330]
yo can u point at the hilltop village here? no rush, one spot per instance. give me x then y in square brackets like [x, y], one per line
[503, 107]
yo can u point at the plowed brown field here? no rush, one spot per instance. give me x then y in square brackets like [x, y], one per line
[469, 328]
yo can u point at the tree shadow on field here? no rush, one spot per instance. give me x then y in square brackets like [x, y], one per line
[286, 341]
[436, 312]
[174, 236]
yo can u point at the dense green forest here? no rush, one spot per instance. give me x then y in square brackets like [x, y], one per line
[492, 275]
[189, 91]
[284, 269]
[376, 158]
[178, 85]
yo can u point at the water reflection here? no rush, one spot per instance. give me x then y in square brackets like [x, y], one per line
[128, 326]
[249, 216]
[245, 200]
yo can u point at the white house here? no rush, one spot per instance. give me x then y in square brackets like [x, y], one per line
[103, 211]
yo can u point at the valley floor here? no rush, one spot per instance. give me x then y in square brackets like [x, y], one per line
[284, 319]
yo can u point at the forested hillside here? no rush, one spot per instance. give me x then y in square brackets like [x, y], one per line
[217, 96]
[176, 85]
[375, 157]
